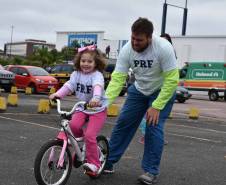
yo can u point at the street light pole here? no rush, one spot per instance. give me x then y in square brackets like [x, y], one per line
[11, 40]
[184, 19]
[164, 13]
[164, 16]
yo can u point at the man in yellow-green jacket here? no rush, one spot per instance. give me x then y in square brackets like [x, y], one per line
[153, 62]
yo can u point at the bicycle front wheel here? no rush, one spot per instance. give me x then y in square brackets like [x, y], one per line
[46, 168]
[103, 148]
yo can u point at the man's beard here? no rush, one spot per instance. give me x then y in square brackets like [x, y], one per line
[141, 49]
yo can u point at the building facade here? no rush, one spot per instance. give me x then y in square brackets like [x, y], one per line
[26, 48]
[199, 48]
[187, 48]
[83, 38]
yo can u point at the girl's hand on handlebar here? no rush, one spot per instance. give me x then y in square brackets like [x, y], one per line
[53, 96]
[94, 103]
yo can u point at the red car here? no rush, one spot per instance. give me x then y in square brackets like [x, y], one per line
[31, 76]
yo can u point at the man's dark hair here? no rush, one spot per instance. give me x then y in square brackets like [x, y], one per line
[167, 36]
[143, 26]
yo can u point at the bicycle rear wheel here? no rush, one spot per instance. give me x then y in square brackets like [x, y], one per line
[46, 168]
[103, 148]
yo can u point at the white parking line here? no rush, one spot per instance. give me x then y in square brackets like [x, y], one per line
[26, 114]
[197, 128]
[30, 123]
[185, 136]
[45, 126]
[197, 138]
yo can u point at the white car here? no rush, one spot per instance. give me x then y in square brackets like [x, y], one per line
[6, 79]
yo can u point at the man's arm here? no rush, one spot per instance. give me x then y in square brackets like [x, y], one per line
[171, 79]
[119, 75]
[115, 86]
[170, 82]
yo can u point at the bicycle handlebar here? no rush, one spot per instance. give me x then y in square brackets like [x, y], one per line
[80, 103]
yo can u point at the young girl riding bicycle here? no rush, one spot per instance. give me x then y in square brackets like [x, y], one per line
[87, 82]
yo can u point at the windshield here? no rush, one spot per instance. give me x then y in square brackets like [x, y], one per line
[37, 71]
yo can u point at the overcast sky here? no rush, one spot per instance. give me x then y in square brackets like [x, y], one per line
[41, 19]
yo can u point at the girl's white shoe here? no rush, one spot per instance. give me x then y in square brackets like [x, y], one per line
[90, 167]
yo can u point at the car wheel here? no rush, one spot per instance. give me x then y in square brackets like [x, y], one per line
[7, 88]
[213, 95]
[181, 100]
[33, 88]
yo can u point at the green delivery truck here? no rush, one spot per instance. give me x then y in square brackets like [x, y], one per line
[205, 76]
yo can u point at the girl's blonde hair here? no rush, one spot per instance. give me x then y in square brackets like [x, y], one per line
[100, 60]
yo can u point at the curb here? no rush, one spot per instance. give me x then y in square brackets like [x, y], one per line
[185, 116]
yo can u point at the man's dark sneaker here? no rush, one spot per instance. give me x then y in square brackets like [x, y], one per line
[108, 169]
[148, 178]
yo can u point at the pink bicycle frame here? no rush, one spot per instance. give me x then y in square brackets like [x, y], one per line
[61, 136]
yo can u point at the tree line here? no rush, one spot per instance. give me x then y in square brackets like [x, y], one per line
[41, 57]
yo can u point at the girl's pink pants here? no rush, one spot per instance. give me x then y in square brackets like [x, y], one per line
[90, 132]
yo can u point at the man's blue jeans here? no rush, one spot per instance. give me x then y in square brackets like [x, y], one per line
[127, 123]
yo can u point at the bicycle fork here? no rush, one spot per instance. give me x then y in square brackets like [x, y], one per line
[60, 162]
[61, 159]
[62, 136]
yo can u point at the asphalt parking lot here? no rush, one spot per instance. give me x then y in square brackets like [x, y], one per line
[195, 155]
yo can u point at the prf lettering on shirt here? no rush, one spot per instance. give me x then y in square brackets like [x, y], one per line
[86, 89]
[143, 63]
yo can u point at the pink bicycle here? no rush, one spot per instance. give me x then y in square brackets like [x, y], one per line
[55, 159]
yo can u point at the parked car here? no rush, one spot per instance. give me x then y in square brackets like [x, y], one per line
[62, 72]
[182, 94]
[35, 77]
[107, 77]
[6, 79]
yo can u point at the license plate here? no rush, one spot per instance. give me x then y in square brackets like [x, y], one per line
[50, 86]
[5, 81]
